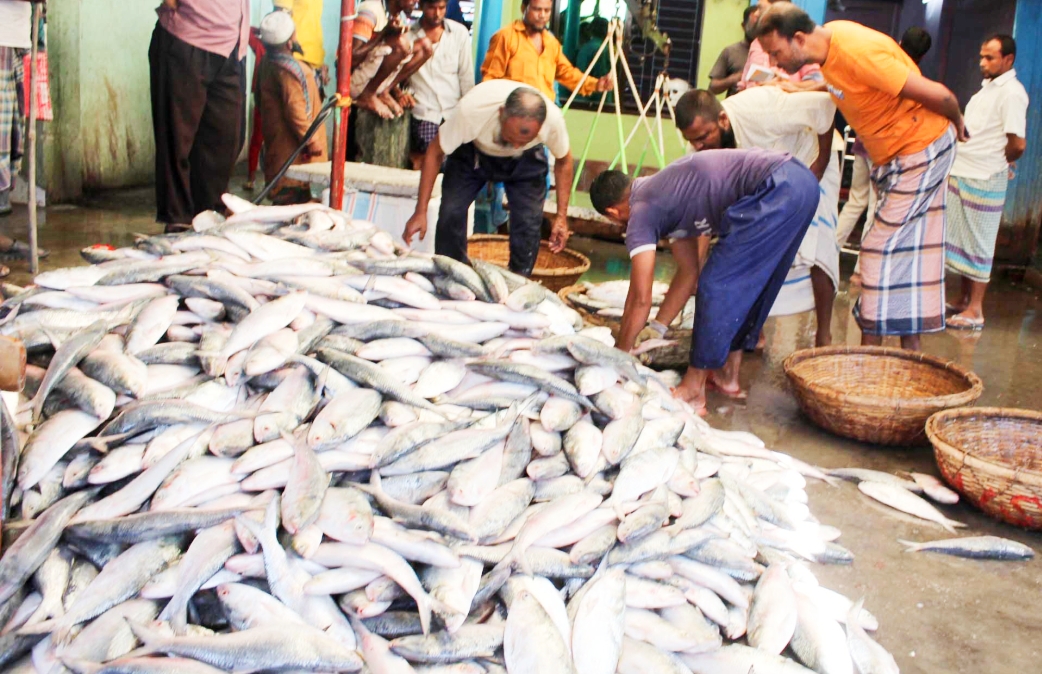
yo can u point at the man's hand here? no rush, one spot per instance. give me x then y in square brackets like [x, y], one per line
[559, 233]
[417, 224]
[605, 84]
[404, 98]
[960, 129]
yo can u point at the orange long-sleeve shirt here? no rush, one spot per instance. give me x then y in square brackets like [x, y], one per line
[512, 56]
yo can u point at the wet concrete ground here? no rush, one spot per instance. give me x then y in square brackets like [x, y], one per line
[937, 613]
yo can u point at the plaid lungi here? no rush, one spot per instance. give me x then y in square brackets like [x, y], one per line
[423, 132]
[902, 255]
[974, 215]
[10, 111]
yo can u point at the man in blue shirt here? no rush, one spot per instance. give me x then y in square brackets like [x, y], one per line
[759, 203]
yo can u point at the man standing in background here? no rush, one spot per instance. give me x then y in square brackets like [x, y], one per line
[15, 22]
[916, 42]
[197, 70]
[727, 71]
[307, 17]
[527, 52]
[443, 80]
[997, 117]
[288, 100]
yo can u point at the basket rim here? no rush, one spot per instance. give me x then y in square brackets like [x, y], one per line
[968, 459]
[948, 401]
[582, 267]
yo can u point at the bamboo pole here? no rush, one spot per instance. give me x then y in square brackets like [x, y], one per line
[589, 68]
[589, 142]
[34, 257]
[612, 51]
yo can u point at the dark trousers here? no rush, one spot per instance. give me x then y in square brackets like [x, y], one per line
[759, 237]
[197, 119]
[467, 170]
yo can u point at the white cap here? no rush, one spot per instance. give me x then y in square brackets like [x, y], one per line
[276, 28]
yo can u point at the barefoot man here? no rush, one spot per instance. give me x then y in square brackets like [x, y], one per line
[759, 203]
[384, 54]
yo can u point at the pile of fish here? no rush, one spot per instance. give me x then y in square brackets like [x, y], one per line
[608, 299]
[281, 442]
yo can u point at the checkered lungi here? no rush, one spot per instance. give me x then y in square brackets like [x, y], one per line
[902, 255]
[10, 110]
[974, 215]
[422, 132]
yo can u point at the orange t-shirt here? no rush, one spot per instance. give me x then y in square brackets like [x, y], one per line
[866, 71]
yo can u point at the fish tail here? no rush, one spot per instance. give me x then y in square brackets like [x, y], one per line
[45, 612]
[911, 546]
[42, 627]
[854, 614]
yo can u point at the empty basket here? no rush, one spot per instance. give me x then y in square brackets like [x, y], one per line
[877, 394]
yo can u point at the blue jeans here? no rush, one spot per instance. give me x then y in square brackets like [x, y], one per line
[467, 171]
[759, 237]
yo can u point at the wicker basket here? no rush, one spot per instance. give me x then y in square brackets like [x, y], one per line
[553, 270]
[877, 394]
[670, 357]
[993, 456]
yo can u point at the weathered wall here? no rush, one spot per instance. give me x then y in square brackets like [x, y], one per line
[721, 26]
[115, 110]
[101, 136]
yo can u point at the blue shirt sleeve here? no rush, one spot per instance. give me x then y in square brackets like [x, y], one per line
[642, 230]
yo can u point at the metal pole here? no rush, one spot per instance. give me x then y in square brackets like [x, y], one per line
[343, 92]
[34, 260]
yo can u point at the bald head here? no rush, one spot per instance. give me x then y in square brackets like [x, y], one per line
[525, 103]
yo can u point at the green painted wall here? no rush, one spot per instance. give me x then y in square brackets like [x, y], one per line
[721, 26]
[101, 136]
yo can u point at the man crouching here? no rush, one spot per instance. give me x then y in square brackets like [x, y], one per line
[759, 203]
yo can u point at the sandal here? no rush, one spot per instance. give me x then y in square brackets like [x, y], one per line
[733, 394]
[953, 309]
[961, 322]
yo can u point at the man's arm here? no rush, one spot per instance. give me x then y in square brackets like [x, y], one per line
[638, 299]
[824, 155]
[495, 65]
[937, 98]
[688, 256]
[569, 76]
[432, 160]
[1015, 146]
[719, 85]
[563, 174]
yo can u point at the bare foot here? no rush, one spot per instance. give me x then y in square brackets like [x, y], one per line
[374, 105]
[761, 343]
[388, 100]
[731, 390]
[692, 390]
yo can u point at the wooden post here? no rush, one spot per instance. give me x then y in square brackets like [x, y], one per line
[34, 258]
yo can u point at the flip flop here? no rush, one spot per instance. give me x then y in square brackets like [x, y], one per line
[952, 309]
[740, 394]
[963, 323]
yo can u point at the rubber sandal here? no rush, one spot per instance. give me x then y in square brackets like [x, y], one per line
[964, 323]
[952, 309]
[740, 394]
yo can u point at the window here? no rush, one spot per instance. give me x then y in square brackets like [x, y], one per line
[681, 20]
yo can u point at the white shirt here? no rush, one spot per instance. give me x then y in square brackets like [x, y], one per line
[444, 79]
[16, 20]
[999, 108]
[771, 119]
[476, 120]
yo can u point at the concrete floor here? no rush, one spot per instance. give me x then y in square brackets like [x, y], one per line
[937, 613]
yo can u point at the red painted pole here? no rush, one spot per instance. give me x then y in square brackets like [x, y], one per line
[343, 90]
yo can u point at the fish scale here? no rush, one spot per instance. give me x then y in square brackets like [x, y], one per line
[495, 463]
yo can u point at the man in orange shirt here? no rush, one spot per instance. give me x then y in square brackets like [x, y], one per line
[527, 52]
[909, 126]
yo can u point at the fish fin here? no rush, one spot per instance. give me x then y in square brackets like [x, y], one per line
[42, 627]
[912, 546]
[146, 635]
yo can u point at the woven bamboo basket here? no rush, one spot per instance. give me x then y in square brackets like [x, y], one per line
[552, 270]
[993, 457]
[877, 394]
[665, 358]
